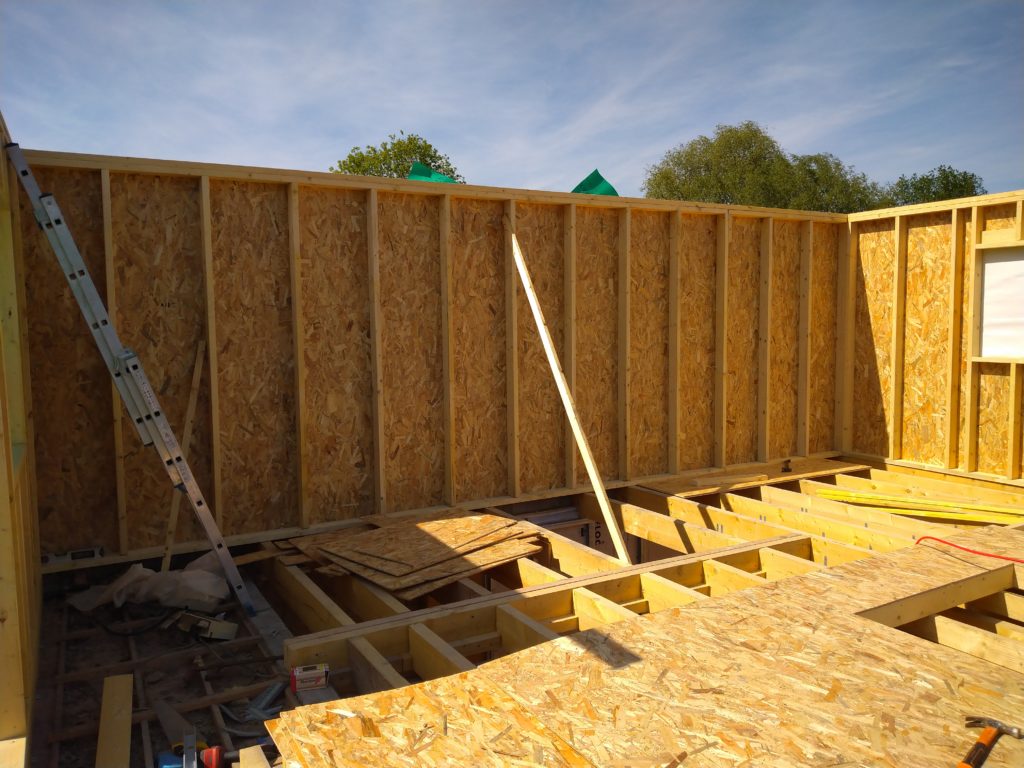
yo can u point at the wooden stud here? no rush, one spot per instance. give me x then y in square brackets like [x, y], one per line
[376, 350]
[186, 441]
[206, 227]
[662, 593]
[371, 672]
[846, 337]
[721, 314]
[674, 393]
[780, 565]
[898, 331]
[569, 251]
[511, 352]
[567, 401]
[299, 338]
[803, 384]
[1013, 450]
[306, 600]
[110, 256]
[113, 747]
[433, 657]
[764, 338]
[447, 356]
[594, 610]
[973, 320]
[956, 291]
[623, 344]
[519, 631]
[723, 578]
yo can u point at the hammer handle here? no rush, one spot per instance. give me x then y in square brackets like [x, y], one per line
[981, 749]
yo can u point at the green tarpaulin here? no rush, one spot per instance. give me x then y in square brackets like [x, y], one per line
[595, 184]
[421, 172]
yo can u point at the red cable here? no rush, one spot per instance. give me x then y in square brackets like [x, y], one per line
[972, 551]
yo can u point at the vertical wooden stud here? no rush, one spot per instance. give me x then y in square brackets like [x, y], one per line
[206, 227]
[110, 256]
[721, 313]
[1013, 450]
[623, 344]
[956, 290]
[511, 352]
[899, 313]
[1020, 220]
[298, 335]
[973, 339]
[675, 243]
[569, 354]
[764, 337]
[846, 336]
[803, 383]
[447, 357]
[376, 361]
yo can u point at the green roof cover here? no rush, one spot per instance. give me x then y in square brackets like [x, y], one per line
[595, 184]
[421, 172]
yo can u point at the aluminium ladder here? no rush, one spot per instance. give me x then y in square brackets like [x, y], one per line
[125, 367]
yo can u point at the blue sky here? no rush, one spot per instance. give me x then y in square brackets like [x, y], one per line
[520, 93]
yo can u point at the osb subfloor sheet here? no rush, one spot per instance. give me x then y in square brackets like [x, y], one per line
[784, 674]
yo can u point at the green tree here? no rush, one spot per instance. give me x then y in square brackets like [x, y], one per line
[394, 157]
[740, 164]
[823, 182]
[942, 183]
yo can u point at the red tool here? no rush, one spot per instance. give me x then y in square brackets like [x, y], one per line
[993, 730]
[212, 757]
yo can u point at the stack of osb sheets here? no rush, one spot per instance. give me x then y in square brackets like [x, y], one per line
[410, 558]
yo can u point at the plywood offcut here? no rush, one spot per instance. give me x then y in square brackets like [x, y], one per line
[926, 338]
[650, 241]
[478, 348]
[336, 332]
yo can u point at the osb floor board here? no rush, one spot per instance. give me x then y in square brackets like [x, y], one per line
[684, 485]
[782, 675]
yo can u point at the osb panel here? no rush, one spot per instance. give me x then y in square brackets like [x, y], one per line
[71, 388]
[255, 352]
[648, 342]
[597, 249]
[822, 343]
[783, 367]
[1000, 216]
[698, 243]
[159, 297]
[540, 230]
[336, 337]
[926, 338]
[872, 353]
[478, 348]
[964, 340]
[410, 298]
[743, 292]
[993, 417]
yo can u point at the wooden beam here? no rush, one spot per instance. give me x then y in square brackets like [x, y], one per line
[674, 391]
[376, 352]
[594, 610]
[511, 351]
[533, 573]
[721, 313]
[764, 338]
[777, 564]
[447, 354]
[845, 337]
[110, 256]
[808, 500]
[569, 339]
[625, 470]
[1007, 604]
[973, 321]
[724, 578]
[298, 347]
[1020, 219]
[519, 631]
[433, 657]
[975, 587]
[114, 744]
[899, 304]
[252, 757]
[669, 532]
[307, 601]
[662, 593]
[956, 294]
[1013, 449]
[365, 601]
[994, 624]
[212, 347]
[803, 354]
[371, 672]
[968, 639]
[567, 402]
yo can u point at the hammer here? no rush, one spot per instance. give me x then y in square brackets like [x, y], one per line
[993, 729]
